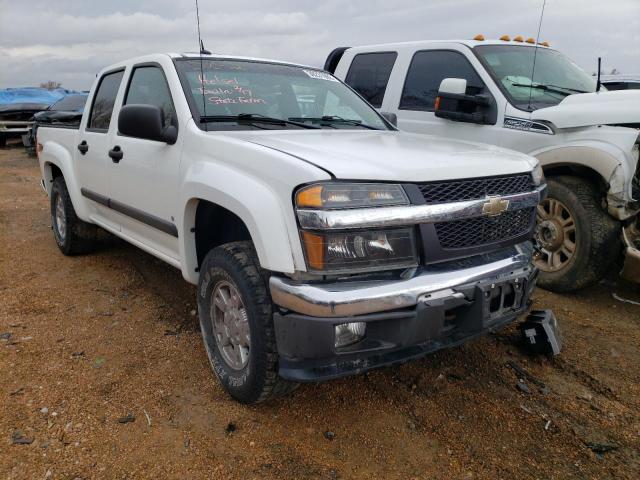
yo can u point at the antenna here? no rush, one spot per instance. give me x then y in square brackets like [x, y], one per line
[535, 53]
[205, 52]
[599, 84]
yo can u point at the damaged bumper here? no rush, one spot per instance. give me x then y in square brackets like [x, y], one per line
[14, 128]
[631, 240]
[404, 319]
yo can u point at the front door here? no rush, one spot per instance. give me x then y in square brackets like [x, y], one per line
[416, 105]
[144, 175]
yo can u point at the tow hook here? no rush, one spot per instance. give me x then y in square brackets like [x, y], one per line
[631, 239]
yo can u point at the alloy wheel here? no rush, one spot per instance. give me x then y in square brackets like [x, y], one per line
[556, 236]
[60, 218]
[230, 324]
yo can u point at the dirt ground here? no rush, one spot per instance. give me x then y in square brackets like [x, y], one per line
[103, 375]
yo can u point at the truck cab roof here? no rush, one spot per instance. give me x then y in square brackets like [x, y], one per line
[332, 61]
[156, 57]
[468, 43]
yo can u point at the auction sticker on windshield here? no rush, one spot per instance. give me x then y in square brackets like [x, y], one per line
[320, 75]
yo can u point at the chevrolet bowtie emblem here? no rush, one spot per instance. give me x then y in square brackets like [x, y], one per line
[495, 206]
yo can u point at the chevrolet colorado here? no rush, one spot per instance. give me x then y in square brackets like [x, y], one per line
[323, 242]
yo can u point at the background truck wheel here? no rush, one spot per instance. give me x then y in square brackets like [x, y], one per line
[579, 241]
[236, 319]
[72, 235]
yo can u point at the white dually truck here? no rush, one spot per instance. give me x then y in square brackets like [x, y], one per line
[323, 241]
[488, 91]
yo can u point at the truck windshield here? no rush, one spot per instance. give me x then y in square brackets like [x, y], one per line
[238, 94]
[556, 76]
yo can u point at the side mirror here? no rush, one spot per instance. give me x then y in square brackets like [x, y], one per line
[453, 103]
[146, 121]
[392, 118]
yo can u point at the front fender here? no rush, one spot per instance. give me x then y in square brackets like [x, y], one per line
[268, 220]
[607, 160]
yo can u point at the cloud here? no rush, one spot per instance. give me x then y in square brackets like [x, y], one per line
[70, 40]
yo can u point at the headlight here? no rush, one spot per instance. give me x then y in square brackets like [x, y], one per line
[360, 251]
[538, 175]
[350, 195]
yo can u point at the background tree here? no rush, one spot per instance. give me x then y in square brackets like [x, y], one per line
[50, 85]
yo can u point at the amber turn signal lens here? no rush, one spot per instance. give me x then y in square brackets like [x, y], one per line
[314, 247]
[437, 105]
[310, 197]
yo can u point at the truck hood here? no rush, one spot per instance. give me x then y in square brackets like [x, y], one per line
[588, 109]
[391, 156]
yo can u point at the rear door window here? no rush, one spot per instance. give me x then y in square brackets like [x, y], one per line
[622, 85]
[426, 72]
[104, 100]
[369, 75]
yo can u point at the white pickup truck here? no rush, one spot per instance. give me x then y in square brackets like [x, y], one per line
[482, 90]
[323, 242]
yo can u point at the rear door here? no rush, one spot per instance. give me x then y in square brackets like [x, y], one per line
[369, 75]
[143, 184]
[91, 156]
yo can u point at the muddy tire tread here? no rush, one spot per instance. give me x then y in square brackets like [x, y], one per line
[600, 235]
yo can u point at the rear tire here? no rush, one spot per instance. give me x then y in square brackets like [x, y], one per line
[72, 235]
[580, 241]
[236, 319]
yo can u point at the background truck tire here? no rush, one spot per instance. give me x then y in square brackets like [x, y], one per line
[236, 265]
[596, 236]
[72, 235]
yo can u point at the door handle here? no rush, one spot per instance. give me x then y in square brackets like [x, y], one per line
[83, 147]
[116, 154]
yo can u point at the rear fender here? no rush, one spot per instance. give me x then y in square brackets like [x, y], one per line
[55, 154]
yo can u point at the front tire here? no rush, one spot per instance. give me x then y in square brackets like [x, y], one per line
[72, 235]
[236, 319]
[578, 240]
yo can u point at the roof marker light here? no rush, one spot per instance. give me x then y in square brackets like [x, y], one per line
[544, 44]
[518, 39]
[505, 38]
[531, 40]
[479, 37]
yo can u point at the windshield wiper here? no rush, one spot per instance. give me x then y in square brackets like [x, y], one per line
[550, 88]
[253, 118]
[332, 119]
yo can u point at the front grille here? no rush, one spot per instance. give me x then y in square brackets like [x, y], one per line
[474, 232]
[461, 190]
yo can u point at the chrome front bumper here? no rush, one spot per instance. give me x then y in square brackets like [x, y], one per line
[349, 298]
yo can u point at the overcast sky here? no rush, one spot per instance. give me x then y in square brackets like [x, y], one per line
[70, 40]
